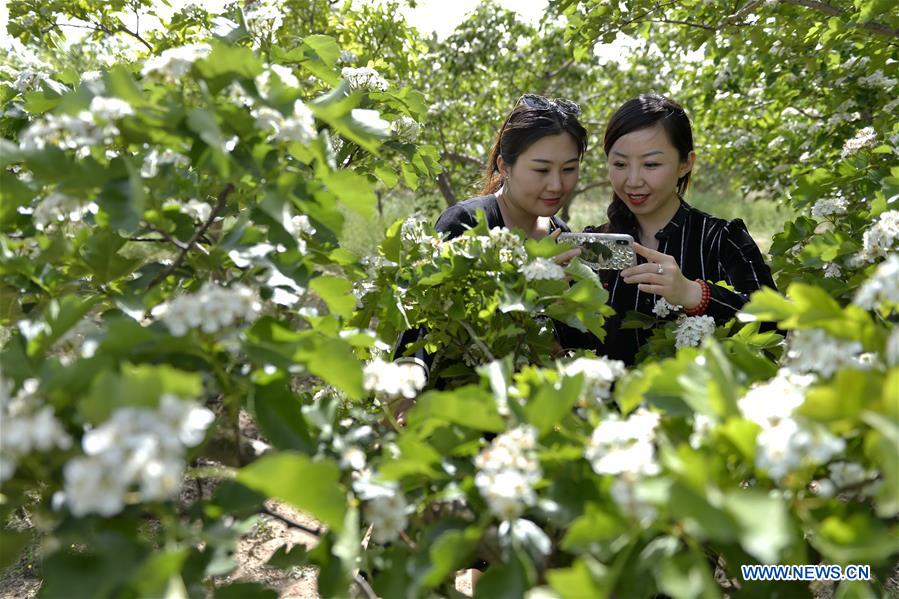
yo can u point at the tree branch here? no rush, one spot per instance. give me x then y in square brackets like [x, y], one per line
[833, 11]
[317, 532]
[462, 158]
[219, 205]
[446, 189]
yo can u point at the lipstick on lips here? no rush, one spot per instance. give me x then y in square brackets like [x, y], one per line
[637, 199]
[551, 201]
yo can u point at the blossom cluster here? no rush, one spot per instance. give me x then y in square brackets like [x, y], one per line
[78, 132]
[543, 269]
[416, 239]
[27, 424]
[385, 509]
[392, 379]
[136, 446]
[847, 477]
[878, 240]
[830, 207]
[212, 308]
[691, 330]
[364, 78]
[57, 207]
[275, 71]
[785, 443]
[405, 129]
[599, 374]
[883, 286]
[500, 244]
[814, 350]
[663, 308]
[153, 160]
[507, 472]
[862, 139]
[624, 447]
[299, 126]
[175, 63]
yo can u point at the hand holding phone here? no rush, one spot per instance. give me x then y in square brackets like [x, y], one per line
[603, 251]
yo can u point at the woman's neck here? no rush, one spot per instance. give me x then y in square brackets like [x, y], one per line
[514, 217]
[650, 224]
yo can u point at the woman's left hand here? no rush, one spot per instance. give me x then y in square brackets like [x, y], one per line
[661, 275]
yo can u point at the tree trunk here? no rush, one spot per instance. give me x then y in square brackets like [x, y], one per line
[446, 189]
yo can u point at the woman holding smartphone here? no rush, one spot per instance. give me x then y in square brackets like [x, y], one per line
[682, 251]
[531, 173]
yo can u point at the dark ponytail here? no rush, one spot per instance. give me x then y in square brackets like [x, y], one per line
[523, 127]
[642, 112]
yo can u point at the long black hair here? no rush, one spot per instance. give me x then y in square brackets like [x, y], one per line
[524, 126]
[642, 112]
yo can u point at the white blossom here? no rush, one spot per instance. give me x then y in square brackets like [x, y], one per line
[702, 426]
[880, 238]
[877, 79]
[152, 161]
[277, 71]
[136, 447]
[883, 287]
[27, 424]
[175, 63]
[891, 352]
[691, 330]
[832, 271]
[662, 308]
[78, 132]
[299, 126]
[830, 206]
[212, 309]
[199, 211]
[543, 269]
[623, 492]
[815, 351]
[109, 109]
[624, 446]
[769, 402]
[405, 129]
[507, 471]
[393, 379]
[387, 514]
[57, 207]
[786, 443]
[599, 374]
[371, 120]
[264, 16]
[862, 139]
[364, 78]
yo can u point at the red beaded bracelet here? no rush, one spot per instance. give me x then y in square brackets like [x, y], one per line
[704, 302]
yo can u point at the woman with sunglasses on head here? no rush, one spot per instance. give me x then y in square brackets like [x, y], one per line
[682, 251]
[531, 172]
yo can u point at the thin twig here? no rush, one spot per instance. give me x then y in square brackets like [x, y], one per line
[364, 586]
[291, 522]
[477, 340]
[219, 205]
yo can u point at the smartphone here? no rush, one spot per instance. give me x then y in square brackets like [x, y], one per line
[603, 251]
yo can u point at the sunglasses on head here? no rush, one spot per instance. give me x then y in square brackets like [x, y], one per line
[541, 103]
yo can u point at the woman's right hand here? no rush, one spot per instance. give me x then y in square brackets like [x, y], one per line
[565, 257]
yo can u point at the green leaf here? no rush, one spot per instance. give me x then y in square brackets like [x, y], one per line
[285, 558]
[279, 415]
[765, 529]
[226, 63]
[354, 191]
[580, 580]
[204, 124]
[100, 255]
[312, 486]
[552, 404]
[469, 406]
[506, 580]
[139, 385]
[337, 294]
[154, 575]
[595, 525]
[843, 399]
[451, 551]
[687, 575]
